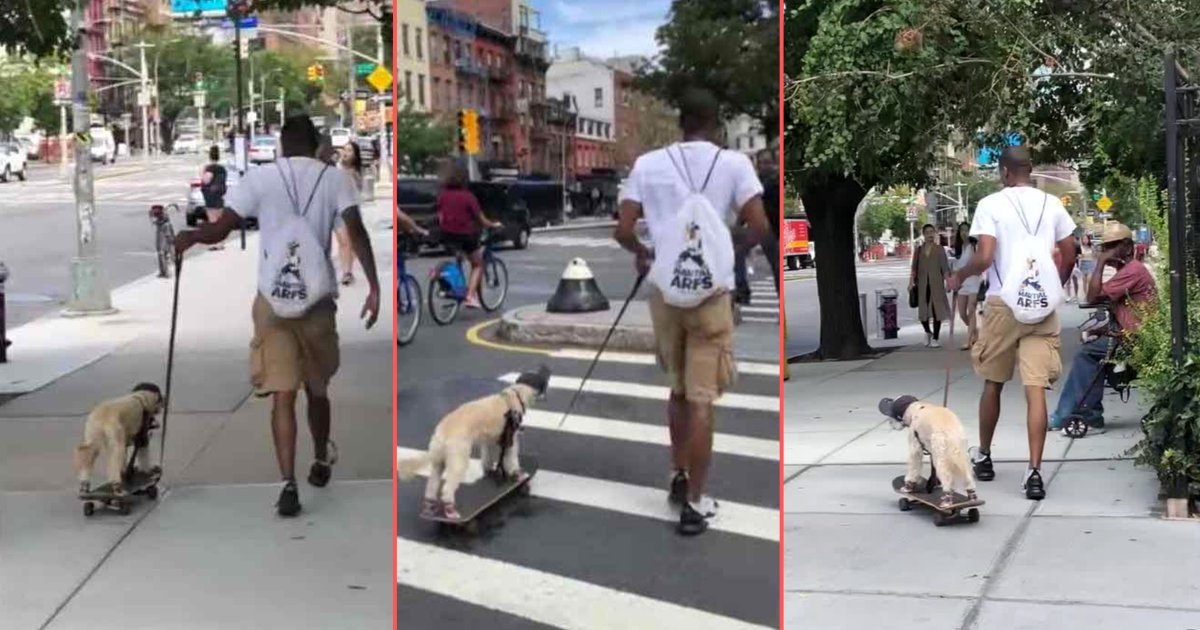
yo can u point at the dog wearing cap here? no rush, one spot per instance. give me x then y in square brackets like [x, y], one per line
[935, 429]
[493, 422]
[112, 427]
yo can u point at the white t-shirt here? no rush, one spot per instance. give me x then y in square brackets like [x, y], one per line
[999, 215]
[660, 188]
[970, 286]
[267, 193]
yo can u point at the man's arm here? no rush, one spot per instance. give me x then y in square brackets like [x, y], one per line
[1066, 258]
[754, 217]
[208, 233]
[985, 254]
[626, 236]
[361, 243]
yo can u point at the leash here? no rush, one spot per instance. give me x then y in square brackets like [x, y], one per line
[949, 353]
[636, 285]
[162, 438]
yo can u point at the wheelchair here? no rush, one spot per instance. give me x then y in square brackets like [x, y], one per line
[1114, 374]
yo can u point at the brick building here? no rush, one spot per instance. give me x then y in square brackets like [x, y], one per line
[589, 85]
[113, 26]
[643, 122]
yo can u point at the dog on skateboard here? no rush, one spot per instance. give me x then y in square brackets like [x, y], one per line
[492, 422]
[935, 429]
[113, 427]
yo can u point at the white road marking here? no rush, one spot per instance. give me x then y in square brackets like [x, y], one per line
[760, 309]
[543, 597]
[743, 367]
[654, 392]
[735, 518]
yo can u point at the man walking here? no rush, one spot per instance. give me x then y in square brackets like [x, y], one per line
[695, 343]
[1017, 228]
[768, 174]
[298, 204]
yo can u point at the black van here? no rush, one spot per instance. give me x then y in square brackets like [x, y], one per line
[417, 198]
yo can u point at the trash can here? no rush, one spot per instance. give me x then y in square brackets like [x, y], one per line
[885, 299]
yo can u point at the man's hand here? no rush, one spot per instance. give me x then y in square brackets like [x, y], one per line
[953, 283]
[370, 308]
[1105, 255]
[643, 260]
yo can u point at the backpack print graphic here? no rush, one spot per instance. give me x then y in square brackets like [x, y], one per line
[697, 275]
[1031, 295]
[289, 284]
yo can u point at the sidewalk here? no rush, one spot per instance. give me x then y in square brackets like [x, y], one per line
[211, 548]
[1095, 554]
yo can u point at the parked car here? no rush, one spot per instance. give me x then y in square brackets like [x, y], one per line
[339, 136]
[31, 145]
[544, 199]
[417, 198]
[263, 149]
[186, 143]
[104, 146]
[12, 159]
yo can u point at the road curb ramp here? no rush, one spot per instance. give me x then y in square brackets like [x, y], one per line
[577, 291]
[533, 324]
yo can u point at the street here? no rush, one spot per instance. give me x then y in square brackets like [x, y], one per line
[594, 546]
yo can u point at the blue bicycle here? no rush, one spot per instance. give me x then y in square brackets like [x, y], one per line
[448, 284]
[408, 299]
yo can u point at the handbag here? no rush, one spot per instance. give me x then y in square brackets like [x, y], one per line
[912, 297]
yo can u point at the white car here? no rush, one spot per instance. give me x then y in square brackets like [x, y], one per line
[104, 146]
[263, 149]
[12, 161]
[32, 146]
[339, 136]
[186, 143]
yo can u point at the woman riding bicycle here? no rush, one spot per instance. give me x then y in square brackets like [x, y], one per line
[460, 218]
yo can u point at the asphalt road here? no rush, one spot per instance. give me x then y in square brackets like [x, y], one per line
[595, 543]
[38, 233]
[803, 308]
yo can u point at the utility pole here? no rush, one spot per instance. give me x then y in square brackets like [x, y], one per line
[239, 141]
[144, 100]
[89, 293]
[353, 90]
[281, 107]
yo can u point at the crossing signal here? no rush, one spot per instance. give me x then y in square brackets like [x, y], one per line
[468, 131]
[316, 72]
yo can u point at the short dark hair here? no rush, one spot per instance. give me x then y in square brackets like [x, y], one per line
[214, 153]
[1016, 160]
[299, 137]
[698, 111]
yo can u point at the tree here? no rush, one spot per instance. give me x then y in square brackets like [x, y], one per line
[420, 140]
[888, 211]
[729, 47]
[877, 88]
[38, 28]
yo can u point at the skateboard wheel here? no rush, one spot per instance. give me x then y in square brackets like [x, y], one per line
[152, 493]
[88, 508]
[471, 527]
[973, 515]
[122, 508]
[941, 519]
[1076, 427]
[904, 504]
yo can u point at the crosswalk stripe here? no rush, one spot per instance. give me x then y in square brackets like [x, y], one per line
[646, 433]
[653, 392]
[540, 596]
[761, 309]
[761, 320]
[743, 367]
[614, 496]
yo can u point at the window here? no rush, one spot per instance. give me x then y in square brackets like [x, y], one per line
[457, 50]
[420, 41]
[599, 97]
[434, 88]
[446, 48]
[421, 89]
[408, 85]
[404, 38]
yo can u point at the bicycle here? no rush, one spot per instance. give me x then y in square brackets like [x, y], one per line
[164, 239]
[408, 298]
[448, 284]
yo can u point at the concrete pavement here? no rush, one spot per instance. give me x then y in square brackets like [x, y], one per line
[210, 553]
[1096, 553]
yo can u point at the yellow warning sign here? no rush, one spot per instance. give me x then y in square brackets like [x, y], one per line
[380, 79]
[1104, 204]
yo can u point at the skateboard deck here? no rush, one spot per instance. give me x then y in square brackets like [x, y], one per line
[943, 515]
[473, 499]
[142, 483]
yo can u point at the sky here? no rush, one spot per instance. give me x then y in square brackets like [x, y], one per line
[604, 28]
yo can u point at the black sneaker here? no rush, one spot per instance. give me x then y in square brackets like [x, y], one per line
[679, 488]
[322, 470]
[982, 463]
[289, 500]
[1035, 490]
[691, 522]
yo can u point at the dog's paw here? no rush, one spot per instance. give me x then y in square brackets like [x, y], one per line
[909, 487]
[449, 511]
[430, 507]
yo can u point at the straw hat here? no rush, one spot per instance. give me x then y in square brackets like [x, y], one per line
[1116, 232]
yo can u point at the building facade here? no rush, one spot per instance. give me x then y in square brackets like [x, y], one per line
[589, 86]
[411, 59]
[113, 29]
[643, 122]
[744, 134]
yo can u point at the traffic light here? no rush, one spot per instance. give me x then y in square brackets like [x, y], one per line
[462, 131]
[312, 73]
[316, 72]
[468, 131]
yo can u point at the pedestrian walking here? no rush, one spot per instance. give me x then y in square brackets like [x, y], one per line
[1018, 229]
[930, 267]
[768, 174]
[965, 301]
[690, 194]
[298, 204]
[213, 187]
[349, 159]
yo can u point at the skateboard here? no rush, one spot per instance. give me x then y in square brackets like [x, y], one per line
[942, 516]
[140, 483]
[473, 499]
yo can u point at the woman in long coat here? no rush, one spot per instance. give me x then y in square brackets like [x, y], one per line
[930, 268]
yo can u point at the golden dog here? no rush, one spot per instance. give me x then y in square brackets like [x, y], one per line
[113, 426]
[492, 422]
[938, 430]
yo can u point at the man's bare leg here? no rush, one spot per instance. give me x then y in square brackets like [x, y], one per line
[318, 424]
[1035, 418]
[677, 418]
[283, 429]
[699, 450]
[989, 413]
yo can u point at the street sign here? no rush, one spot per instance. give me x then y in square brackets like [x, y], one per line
[143, 98]
[246, 23]
[1104, 203]
[252, 117]
[380, 79]
[363, 69]
[198, 99]
[911, 212]
[62, 90]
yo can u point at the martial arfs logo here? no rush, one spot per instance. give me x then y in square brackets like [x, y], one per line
[691, 272]
[1031, 294]
[289, 284]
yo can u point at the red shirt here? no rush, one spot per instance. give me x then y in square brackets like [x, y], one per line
[1131, 284]
[458, 211]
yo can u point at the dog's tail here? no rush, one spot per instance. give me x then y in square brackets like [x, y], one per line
[85, 457]
[407, 468]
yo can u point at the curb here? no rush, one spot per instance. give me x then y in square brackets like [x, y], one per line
[515, 327]
[582, 225]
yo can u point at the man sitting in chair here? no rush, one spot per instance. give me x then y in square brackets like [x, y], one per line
[1130, 286]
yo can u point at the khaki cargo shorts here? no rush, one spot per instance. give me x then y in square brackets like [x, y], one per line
[1004, 343]
[287, 355]
[695, 346]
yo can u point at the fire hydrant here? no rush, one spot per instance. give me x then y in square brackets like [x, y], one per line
[887, 311]
[4, 342]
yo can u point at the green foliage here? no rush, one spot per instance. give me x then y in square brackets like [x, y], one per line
[729, 47]
[29, 92]
[35, 27]
[888, 211]
[421, 140]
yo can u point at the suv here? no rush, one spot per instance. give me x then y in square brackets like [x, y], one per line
[417, 198]
[12, 161]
